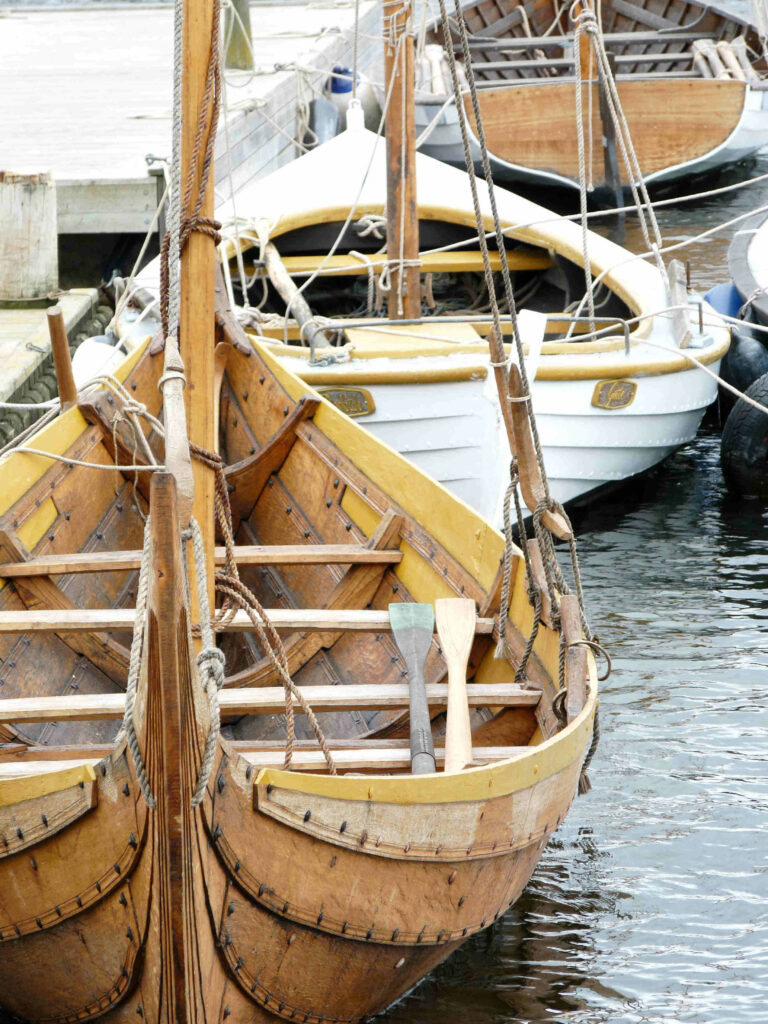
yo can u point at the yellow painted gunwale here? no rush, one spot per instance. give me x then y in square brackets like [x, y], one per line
[623, 368]
[473, 784]
[20, 470]
[32, 787]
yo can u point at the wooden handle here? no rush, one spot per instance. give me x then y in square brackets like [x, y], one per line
[456, 628]
[62, 360]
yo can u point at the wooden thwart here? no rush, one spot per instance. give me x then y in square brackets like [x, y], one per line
[97, 620]
[363, 758]
[269, 700]
[250, 554]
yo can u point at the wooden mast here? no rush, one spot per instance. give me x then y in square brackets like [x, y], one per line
[196, 315]
[402, 209]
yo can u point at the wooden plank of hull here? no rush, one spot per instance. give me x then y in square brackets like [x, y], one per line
[41, 592]
[671, 122]
[284, 887]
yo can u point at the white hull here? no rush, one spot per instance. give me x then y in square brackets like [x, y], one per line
[453, 431]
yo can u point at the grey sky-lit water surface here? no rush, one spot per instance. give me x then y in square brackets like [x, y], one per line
[651, 902]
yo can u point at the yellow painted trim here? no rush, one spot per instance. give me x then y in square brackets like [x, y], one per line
[20, 470]
[473, 784]
[445, 374]
[30, 787]
[628, 368]
[633, 368]
[618, 282]
[39, 522]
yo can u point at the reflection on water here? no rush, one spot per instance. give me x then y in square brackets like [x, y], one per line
[651, 902]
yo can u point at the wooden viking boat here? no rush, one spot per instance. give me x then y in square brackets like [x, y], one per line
[296, 895]
[607, 407]
[203, 863]
[690, 79]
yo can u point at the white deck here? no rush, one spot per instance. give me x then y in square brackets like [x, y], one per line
[86, 94]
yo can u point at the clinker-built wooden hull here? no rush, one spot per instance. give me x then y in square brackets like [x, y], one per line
[691, 107]
[286, 894]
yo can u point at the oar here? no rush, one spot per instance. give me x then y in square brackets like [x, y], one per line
[456, 629]
[412, 627]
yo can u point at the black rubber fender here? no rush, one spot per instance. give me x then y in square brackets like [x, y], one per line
[744, 363]
[744, 444]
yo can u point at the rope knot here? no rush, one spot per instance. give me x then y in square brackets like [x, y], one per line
[585, 20]
[212, 660]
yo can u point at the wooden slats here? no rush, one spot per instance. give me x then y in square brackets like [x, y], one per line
[610, 38]
[100, 619]
[268, 700]
[363, 758]
[567, 62]
[251, 554]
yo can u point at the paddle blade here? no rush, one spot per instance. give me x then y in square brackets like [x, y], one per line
[456, 621]
[412, 627]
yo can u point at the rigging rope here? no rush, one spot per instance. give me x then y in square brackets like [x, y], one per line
[498, 356]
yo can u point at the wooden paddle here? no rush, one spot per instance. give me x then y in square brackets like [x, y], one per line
[412, 628]
[456, 629]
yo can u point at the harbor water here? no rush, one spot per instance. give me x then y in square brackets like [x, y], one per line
[650, 903]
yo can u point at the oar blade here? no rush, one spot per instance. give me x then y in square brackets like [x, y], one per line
[412, 627]
[456, 624]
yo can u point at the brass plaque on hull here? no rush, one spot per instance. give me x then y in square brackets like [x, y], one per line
[614, 394]
[352, 401]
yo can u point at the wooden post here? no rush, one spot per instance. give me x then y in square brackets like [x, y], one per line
[402, 209]
[196, 315]
[610, 155]
[237, 28]
[62, 360]
[29, 262]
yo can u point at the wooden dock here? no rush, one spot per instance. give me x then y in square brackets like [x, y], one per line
[86, 94]
[24, 341]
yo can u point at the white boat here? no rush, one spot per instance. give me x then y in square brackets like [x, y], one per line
[607, 408]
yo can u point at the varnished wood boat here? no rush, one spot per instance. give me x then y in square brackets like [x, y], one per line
[608, 407]
[306, 895]
[690, 79]
[201, 865]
